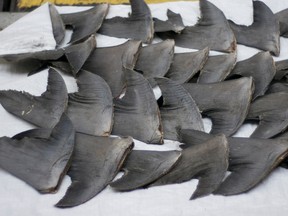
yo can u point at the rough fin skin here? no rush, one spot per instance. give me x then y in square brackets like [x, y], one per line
[217, 68]
[154, 60]
[248, 169]
[34, 133]
[272, 112]
[86, 22]
[277, 87]
[265, 23]
[78, 54]
[91, 108]
[110, 69]
[74, 56]
[186, 65]
[282, 17]
[178, 111]
[143, 167]
[281, 70]
[43, 111]
[250, 160]
[57, 24]
[40, 162]
[137, 113]
[261, 67]
[95, 162]
[226, 103]
[212, 30]
[138, 26]
[173, 23]
[210, 171]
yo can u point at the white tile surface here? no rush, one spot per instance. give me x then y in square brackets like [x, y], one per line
[32, 33]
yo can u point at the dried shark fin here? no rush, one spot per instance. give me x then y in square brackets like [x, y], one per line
[173, 23]
[212, 30]
[186, 65]
[74, 55]
[178, 111]
[250, 160]
[154, 60]
[277, 87]
[43, 133]
[91, 108]
[85, 23]
[217, 68]
[61, 65]
[40, 162]
[263, 34]
[57, 24]
[193, 137]
[282, 17]
[108, 63]
[138, 26]
[272, 111]
[143, 167]
[261, 67]
[137, 113]
[43, 111]
[281, 70]
[283, 136]
[226, 103]
[78, 54]
[210, 171]
[95, 162]
[271, 123]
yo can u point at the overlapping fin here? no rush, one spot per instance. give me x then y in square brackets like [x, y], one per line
[178, 110]
[75, 56]
[226, 103]
[40, 157]
[186, 65]
[277, 87]
[95, 162]
[108, 63]
[210, 171]
[154, 60]
[261, 67]
[217, 68]
[143, 167]
[91, 108]
[272, 111]
[173, 23]
[212, 30]
[250, 160]
[282, 17]
[265, 23]
[57, 24]
[43, 111]
[138, 26]
[86, 22]
[281, 70]
[137, 113]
